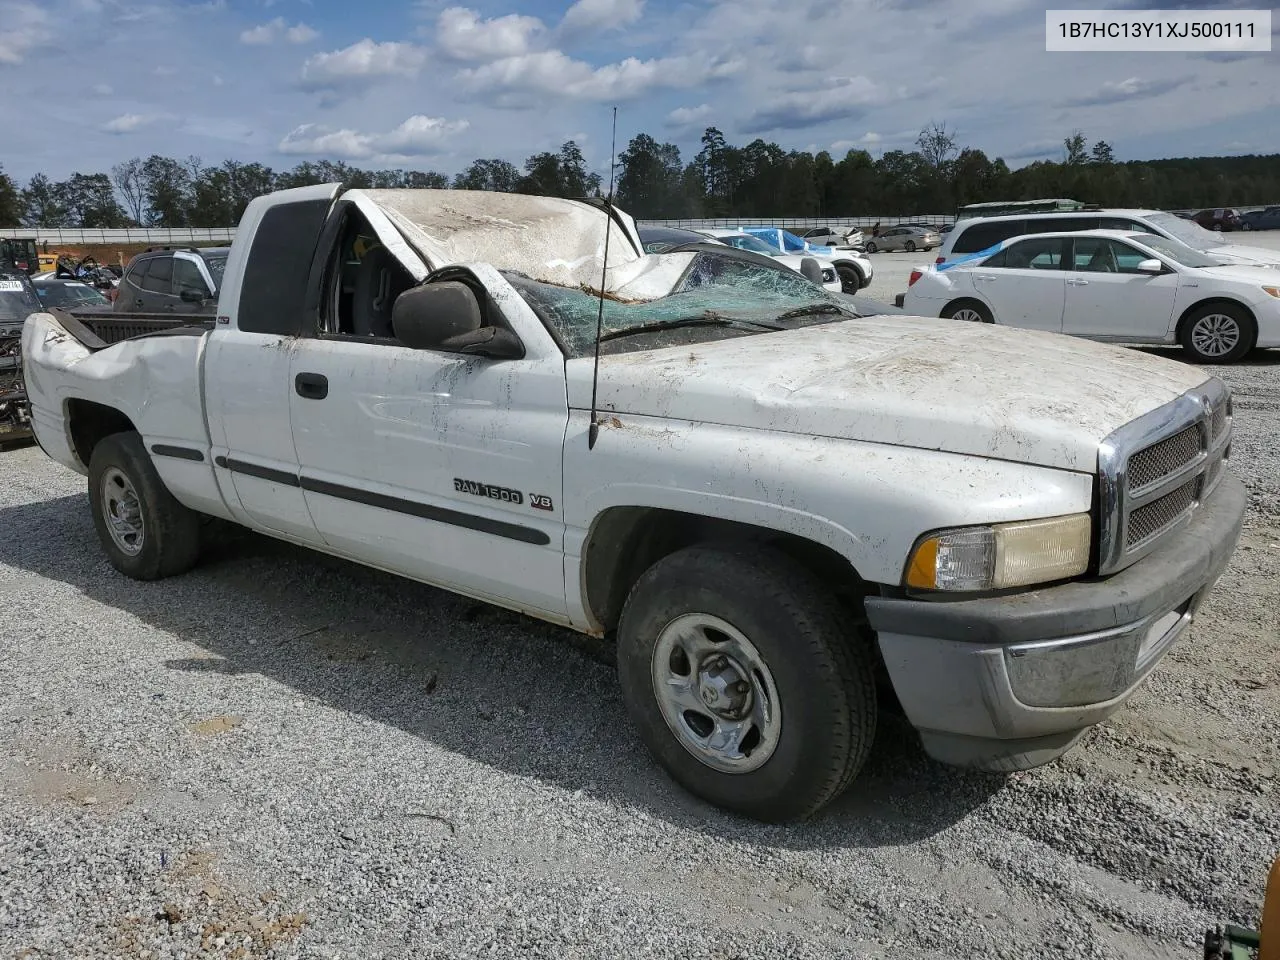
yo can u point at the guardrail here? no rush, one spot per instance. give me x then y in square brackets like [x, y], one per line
[87, 235]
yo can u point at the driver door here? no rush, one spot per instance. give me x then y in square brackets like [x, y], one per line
[440, 466]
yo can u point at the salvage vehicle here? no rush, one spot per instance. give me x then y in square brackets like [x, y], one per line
[1268, 219]
[906, 237]
[17, 301]
[172, 280]
[667, 239]
[781, 512]
[853, 267]
[1109, 285]
[744, 241]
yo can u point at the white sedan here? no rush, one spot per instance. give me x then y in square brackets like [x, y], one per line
[1109, 285]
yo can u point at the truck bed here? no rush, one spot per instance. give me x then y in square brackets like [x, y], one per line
[97, 330]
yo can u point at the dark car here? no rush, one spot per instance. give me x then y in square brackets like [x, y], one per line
[1221, 218]
[1268, 219]
[18, 301]
[68, 294]
[173, 280]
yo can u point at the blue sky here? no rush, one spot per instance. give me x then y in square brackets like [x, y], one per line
[431, 84]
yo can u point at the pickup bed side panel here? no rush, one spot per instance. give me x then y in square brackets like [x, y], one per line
[867, 502]
[154, 381]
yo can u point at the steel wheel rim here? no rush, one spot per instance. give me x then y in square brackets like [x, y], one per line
[1215, 335]
[716, 693]
[968, 315]
[123, 512]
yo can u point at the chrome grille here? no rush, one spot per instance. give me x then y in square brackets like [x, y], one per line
[1160, 514]
[1164, 458]
[1219, 420]
[1154, 472]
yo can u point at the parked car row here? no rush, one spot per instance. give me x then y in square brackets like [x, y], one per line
[779, 510]
[1121, 275]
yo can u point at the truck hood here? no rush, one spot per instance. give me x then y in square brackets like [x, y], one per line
[933, 384]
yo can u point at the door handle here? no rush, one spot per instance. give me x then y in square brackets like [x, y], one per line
[1077, 282]
[312, 386]
[984, 276]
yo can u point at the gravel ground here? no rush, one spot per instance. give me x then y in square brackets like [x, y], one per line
[285, 755]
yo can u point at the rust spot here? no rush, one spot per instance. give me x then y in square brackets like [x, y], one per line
[614, 422]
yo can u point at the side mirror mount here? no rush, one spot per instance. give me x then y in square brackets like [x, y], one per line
[495, 343]
[190, 295]
[1152, 266]
[446, 316]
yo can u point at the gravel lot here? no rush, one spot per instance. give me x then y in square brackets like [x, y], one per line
[285, 755]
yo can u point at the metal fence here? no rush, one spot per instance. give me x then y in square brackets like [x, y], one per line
[798, 223]
[72, 236]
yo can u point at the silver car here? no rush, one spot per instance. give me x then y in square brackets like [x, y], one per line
[909, 239]
[827, 237]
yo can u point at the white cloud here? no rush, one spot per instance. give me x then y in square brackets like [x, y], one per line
[273, 30]
[689, 116]
[300, 33]
[868, 139]
[462, 35]
[361, 64]
[550, 73]
[419, 136]
[589, 15]
[26, 26]
[849, 97]
[103, 89]
[126, 123]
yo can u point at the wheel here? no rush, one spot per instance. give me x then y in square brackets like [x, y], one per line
[871, 246]
[1216, 227]
[1246, 225]
[911, 246]
[971, 311]
[146, 533]
[746, 681]
[850, 278]
[1218, 333]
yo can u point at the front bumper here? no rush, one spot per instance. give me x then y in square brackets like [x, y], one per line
[1009, 683]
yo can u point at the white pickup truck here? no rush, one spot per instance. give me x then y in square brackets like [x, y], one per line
[790, 515]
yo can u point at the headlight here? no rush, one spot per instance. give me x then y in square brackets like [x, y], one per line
[1003, 555]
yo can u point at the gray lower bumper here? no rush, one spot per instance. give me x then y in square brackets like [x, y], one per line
[1009, 683]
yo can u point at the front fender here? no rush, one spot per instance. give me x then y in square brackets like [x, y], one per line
[868, 502]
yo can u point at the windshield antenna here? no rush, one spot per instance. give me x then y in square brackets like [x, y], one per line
[594, 430]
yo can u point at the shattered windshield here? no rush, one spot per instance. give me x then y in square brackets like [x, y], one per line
[734, 297]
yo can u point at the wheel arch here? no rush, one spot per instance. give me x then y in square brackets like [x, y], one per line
[1183, 319]
[625, 541]
[89, 422]
[957, 302]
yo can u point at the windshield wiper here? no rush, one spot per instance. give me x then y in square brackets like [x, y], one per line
[708, 320]
[809, 311]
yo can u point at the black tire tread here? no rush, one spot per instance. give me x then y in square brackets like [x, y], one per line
[172, 530]
[1248, 329]
[845, 665]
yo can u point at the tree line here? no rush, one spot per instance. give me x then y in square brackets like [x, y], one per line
[654, 182]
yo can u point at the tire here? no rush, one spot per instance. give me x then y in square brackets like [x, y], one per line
[850, 278]
[1217, 228]
[1246, 225]
[805, 658]
[146, 533]
[871, 247]
[1218, 333]
[910, 246]
[972, 311]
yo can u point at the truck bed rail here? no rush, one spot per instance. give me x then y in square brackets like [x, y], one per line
[99, 330]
